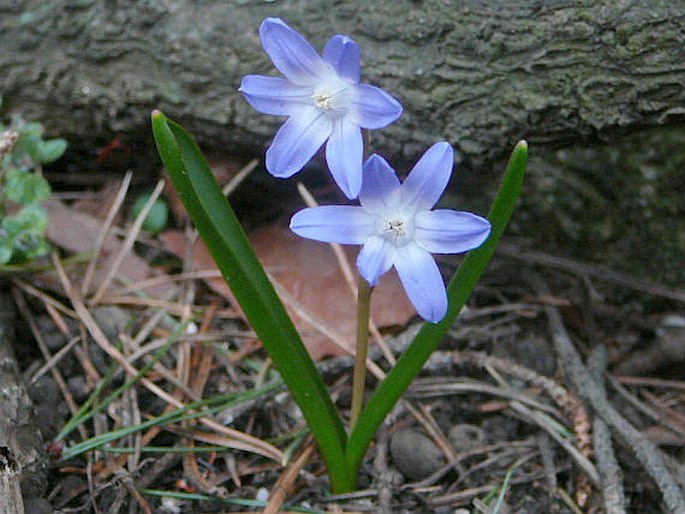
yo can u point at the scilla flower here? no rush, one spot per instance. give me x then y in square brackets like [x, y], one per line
[396, 226]
[324, 101]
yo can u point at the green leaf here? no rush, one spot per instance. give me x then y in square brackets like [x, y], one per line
[31, 130]
[50, 150]
[31, 218]
[6, 247]
[157, 217]
[430, 335]
[228, 244]
[23, 187]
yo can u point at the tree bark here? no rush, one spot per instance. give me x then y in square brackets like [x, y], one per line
[481, 74]
[22, 460]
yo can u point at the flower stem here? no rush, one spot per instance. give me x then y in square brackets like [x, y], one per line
[359, 378]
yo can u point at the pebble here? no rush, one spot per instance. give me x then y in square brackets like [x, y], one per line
[415, 455]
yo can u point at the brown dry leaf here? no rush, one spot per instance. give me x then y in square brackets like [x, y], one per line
[77, 232]
[309, 272]
[99, 204]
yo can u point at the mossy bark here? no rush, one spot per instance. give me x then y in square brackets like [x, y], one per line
[481, 74]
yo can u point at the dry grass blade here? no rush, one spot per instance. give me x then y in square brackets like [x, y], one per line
[128, 243]
[239, 177]
[109, 219]
[237, 439]
[45, 298]
[165, 279]
[26, 313]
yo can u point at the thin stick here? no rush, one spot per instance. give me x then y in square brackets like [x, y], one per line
[359, 378]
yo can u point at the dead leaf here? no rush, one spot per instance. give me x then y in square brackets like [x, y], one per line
[77, 232]
[309, 272]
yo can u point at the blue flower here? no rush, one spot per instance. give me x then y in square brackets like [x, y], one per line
[396, 226]
[324, 101]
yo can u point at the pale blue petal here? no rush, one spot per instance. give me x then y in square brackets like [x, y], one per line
[297, 141]
[447, 231]
[380, 186]
[429, 177]
[275, 95]
[344, 153]
[344, 224]
[375, 258]
[374, 108]
[292, 54]
[344, 55]
[422, 281]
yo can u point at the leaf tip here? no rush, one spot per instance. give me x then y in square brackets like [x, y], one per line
[157, 114]
[522, 145]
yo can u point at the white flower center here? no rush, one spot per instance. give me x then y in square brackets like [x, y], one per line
[398, 229]
[332, 97]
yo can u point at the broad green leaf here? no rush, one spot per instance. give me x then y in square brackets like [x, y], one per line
[24, 187]
[158, 216]
[5, 250]
[50, 150]
[228, 244]
[430, 335]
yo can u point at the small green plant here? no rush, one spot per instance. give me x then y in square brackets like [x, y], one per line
[23, 220]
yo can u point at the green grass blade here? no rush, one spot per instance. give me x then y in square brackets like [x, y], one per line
[191, 411]
[430, 335]
[228, 244]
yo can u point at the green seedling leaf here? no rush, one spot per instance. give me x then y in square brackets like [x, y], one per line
[50, 150]
[156, 220]
[23, 187]
[430, 335]
[31, 218]
[31, 130]
[221, 231]
[6, 249]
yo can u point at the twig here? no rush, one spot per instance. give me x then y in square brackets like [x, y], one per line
[646, 452]
[54, 360]
[607, 465]
[651, 382]
[384, 476]
[285, 483]
[547, 455]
